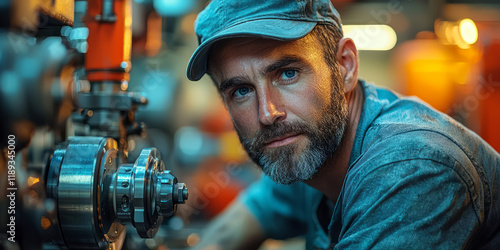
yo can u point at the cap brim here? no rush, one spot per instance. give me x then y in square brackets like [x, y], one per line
[277, 29]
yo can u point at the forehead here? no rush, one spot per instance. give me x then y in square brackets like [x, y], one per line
[228, 53]
[256, 44]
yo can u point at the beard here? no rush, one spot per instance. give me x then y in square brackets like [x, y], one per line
[288, 164]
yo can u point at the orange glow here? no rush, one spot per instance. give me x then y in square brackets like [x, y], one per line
[45, 223]
[193, 239]
[153, 34]
[434, 72]
[230, 148]
[33, 180]
[429, 80]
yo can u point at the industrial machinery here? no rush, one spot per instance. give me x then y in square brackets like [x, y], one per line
[96, 196]
[87, 189]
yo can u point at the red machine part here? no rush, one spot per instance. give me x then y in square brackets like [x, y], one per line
[109, 40]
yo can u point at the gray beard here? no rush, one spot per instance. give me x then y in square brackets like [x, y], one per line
[287, 165]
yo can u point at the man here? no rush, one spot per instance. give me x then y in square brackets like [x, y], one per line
[346, 164]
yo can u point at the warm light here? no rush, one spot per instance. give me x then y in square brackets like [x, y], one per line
[153, 34]
[371, 37]
[193, 239]
[468, 31]
[230, 148]
[124, 85]
[33, 180]
[460, 33]
[45, 223]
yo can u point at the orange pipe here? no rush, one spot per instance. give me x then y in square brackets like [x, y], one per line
[109, 43]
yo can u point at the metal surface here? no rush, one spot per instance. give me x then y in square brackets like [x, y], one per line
[83, 194]
[85, 164]
[108, 111]
[96, 196]
[145, 193]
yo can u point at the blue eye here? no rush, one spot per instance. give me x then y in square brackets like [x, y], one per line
[242, 91]
[288, 74]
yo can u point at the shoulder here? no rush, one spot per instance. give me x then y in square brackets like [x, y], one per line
[408, 130]
[403, 151]
[409, 144]
[412, 184]
[392, 123]
[413, 165]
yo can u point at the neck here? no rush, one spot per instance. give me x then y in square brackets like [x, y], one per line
[330, 177]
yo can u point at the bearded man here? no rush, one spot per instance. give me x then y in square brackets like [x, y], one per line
[345, 163]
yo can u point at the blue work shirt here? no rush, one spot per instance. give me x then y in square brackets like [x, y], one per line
[417, 179]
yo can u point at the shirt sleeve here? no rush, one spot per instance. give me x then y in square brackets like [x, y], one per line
[278, 208]
[410, 204]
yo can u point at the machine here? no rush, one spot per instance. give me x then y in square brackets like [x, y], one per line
[85, 189]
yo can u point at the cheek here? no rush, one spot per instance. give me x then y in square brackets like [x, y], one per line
[309, 107]
[310, 101]
[244, 120]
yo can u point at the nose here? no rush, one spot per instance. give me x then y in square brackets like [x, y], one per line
[270, 108]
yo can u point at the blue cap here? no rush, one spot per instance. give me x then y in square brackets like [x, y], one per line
[273, 19]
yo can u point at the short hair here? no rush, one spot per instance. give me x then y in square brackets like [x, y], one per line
[328, 36]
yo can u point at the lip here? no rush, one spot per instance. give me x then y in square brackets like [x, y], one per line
[282, 141]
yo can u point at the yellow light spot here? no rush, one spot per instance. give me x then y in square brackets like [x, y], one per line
[230, 148]
[124, 86]
[33, 180]
[193, 239]
[371, 37]
[45, 222]
[468, 31]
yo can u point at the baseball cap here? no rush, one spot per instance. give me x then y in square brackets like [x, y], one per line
[273, 19]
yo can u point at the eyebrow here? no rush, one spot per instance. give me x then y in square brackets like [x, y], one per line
[240, 80]
[231, 82]
[283, 62]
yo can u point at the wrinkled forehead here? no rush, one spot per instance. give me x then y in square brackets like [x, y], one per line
[243, 47]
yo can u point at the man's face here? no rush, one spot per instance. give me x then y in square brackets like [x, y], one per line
[287, 105]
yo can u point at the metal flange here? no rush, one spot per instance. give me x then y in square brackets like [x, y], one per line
[96, 196]
[85, 166]
[145, 217]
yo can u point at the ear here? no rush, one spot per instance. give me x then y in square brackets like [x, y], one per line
[347, 56]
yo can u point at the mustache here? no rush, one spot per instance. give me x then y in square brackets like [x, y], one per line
[277, 130]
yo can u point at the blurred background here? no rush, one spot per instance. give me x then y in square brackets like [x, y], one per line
[446, 52]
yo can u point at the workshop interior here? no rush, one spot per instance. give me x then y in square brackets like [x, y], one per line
[107, 145]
